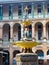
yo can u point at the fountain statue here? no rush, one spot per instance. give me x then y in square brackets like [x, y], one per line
[27, 57]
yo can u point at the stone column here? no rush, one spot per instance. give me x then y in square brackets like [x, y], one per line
[21, 31]
[32, 10]
[45, 53]
[1, 33]
[11, 54]
[11, 34]
[44, 43]
[44, 33]
[43, 10]
[33, 32]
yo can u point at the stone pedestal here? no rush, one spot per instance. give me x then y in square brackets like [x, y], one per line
[26, 59]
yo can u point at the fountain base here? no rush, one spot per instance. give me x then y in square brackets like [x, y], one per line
[26, 59]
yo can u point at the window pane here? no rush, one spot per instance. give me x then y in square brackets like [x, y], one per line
[29, 9]
[39, 10]
[39, 26]
[39, 5]
[19, 10]
[48, 10]
[10, 13]
[39, 32]
[1, 13]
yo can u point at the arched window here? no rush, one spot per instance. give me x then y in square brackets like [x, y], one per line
[38, 29]
[6, 32]
[16, 32]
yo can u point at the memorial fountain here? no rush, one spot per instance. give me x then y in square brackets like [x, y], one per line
[27, 57]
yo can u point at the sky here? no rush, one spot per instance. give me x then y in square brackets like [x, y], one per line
[22, 0]
[15, 0]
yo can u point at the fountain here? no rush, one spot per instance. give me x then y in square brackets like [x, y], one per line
[27, 57]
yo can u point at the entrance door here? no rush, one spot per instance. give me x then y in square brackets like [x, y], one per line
[6, 58]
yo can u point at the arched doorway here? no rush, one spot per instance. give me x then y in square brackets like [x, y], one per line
[40, 53]
[38, 31]
[6, 57]
[15, 52]
[40, 57]
[16, 32]
[6, 32]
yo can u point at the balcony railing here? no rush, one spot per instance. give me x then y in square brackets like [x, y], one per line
[37, 16]
[5, 18]
[47, 15]
[5, 42]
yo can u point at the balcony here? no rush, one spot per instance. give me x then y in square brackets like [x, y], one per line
[38, 15]
[5, 18]
[47, 15]
[30, 16]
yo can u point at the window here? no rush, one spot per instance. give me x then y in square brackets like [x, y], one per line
[39, 8]
[29, 9]
[19, 10]
[48, 8]
[10, 13]
[39, 32]
[1, 13]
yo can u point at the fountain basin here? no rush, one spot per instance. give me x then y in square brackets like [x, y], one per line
[25, 44]
[27, 59]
